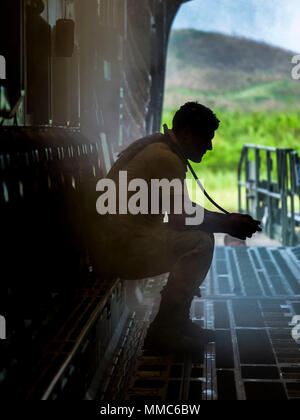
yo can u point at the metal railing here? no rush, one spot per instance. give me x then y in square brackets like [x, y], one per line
[269, 190]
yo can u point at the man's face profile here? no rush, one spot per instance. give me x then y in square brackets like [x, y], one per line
[197, 144]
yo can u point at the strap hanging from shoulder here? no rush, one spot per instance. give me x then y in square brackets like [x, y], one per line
[179, 152]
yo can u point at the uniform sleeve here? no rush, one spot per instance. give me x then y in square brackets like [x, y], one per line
[162, 163]
[158, 162]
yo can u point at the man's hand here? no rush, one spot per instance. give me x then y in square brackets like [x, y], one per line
[242, 226]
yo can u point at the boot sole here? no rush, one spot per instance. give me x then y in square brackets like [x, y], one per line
[183, 344]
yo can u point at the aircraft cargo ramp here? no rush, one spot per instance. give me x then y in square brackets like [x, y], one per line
[249, 297]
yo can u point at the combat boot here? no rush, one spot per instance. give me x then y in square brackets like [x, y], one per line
[172, 329]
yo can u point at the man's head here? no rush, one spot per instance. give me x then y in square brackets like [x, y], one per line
[194, 125]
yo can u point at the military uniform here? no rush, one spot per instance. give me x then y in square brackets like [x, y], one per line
[138, 246]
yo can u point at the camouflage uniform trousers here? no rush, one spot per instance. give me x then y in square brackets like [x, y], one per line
[138, 252]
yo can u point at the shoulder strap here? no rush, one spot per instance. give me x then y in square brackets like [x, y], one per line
[137, 146]
[180, 154]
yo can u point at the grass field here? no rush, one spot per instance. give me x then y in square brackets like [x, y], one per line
[228, 72]
[249, 86]
[218, 170]
[279, 95]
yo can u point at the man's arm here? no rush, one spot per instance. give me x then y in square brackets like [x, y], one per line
[235, 224]
[213, 222]
[169, 166]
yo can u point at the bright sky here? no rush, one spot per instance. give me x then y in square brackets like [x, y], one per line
[275, 22]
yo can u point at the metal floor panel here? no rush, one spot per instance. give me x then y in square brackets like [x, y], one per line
[249, 298]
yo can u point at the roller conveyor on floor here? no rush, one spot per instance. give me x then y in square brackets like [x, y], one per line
[249, 297]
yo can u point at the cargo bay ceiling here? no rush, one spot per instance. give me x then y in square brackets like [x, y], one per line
[98, 65]
[80, 75]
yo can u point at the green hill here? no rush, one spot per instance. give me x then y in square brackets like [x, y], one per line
[228, 72]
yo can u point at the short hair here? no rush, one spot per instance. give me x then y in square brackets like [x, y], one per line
[195, 116]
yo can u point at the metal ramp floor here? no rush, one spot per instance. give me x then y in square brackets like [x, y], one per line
[249, 297]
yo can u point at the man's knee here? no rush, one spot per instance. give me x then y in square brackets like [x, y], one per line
[212, 240]
[199, 252]
[207, 243]
[191, 267]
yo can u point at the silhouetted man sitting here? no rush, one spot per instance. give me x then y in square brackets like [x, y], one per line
[135, 246]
